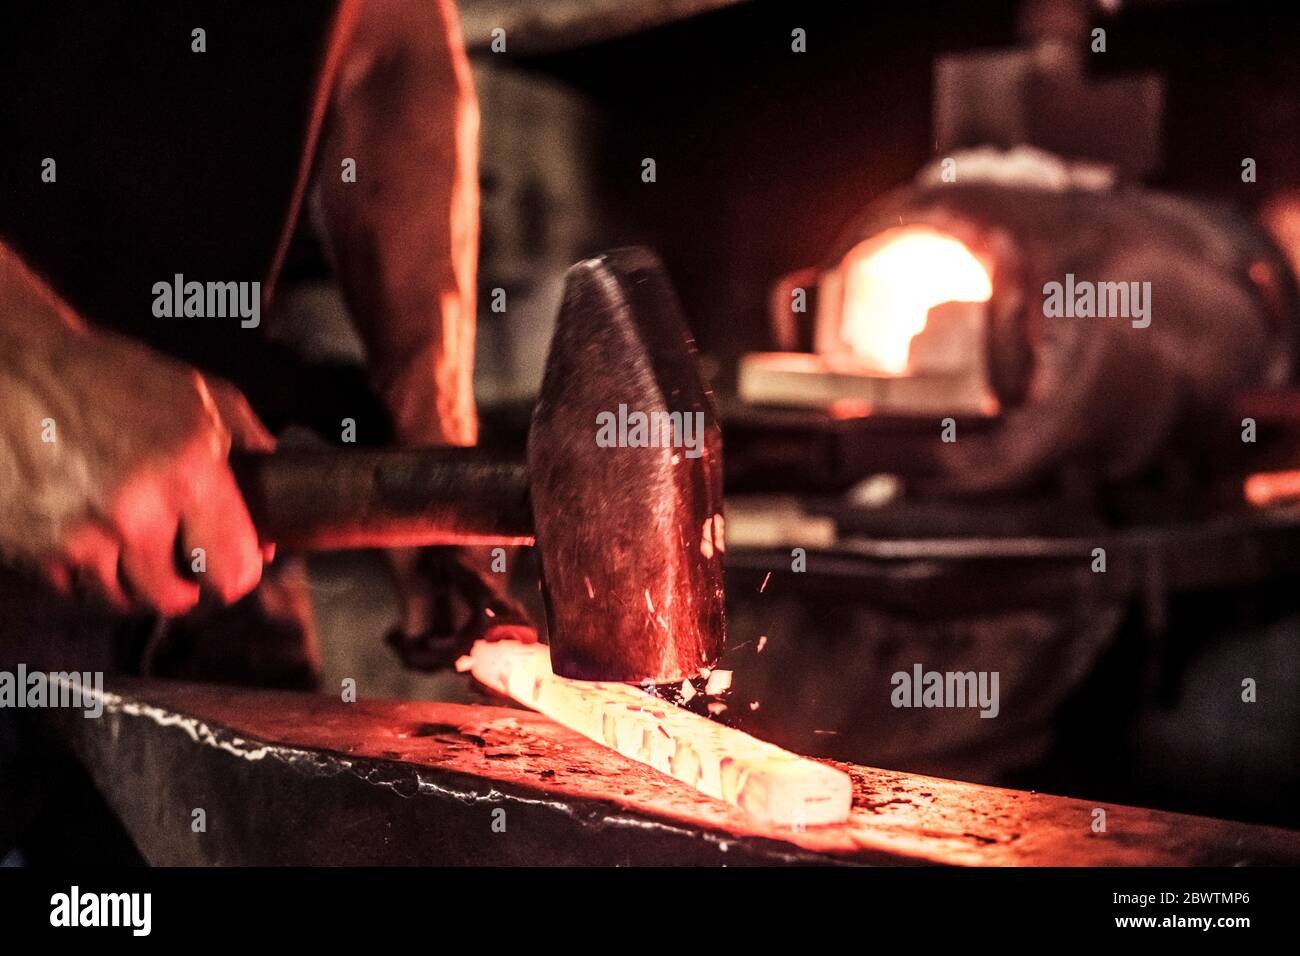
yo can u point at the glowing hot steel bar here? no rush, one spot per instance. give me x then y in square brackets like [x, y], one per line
[771, 784]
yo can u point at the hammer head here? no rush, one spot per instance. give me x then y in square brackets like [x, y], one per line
[625, 464]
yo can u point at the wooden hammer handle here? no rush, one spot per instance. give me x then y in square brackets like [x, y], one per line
[331, 499]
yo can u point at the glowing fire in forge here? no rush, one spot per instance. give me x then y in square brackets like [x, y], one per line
[892, 280]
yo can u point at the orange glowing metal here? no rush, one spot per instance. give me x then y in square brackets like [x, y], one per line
[1266, 488]
[891, 282]
[771, 784]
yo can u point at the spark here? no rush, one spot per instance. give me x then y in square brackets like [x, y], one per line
[764, 584]
[762, 643]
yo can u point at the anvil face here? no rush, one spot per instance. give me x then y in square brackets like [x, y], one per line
[625, 458]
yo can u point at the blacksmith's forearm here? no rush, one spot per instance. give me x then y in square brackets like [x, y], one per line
[404, 235]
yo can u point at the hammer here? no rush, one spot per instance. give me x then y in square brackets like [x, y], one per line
[621, 492]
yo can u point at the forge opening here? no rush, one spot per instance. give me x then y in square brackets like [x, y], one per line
[893, 280]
